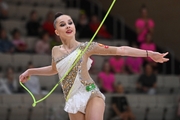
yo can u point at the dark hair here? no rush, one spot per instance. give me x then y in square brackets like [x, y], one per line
[42, 34]
[148, 64]
[143, 6]
[58, 14]
[15, 30]
[32, 12]
[117, 83]
[9, 67]
[30, 63]
[1, 31]
[103, 66]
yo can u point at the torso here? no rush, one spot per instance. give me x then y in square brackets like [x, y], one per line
[61, 53]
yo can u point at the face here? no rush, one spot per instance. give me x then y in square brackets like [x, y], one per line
[83, 19]
[34, 16]
[148, 38]
[134, 45]
[50, 16]
[148, 69]
[94, 19]
[17, 35]
[106, 67]
[3, 34]
[30, 66]
[144, 12]
[65, 27]
[119, 88]
[45, 37]
[10, 74]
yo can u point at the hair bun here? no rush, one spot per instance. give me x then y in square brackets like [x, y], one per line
[58, 14]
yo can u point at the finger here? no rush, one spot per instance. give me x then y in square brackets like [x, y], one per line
[161, 61]
[23, 81]
[20, 76]
[164, 54]
[165, 59]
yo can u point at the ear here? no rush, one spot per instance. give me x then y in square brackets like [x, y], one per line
[56, 32]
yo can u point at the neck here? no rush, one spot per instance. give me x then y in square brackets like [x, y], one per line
[145, 18]
[107, 72]
[148, 42]
[69, 43]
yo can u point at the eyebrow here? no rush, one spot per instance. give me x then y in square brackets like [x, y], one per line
[63, 21]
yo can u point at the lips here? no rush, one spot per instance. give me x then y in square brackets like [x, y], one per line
[69, 31]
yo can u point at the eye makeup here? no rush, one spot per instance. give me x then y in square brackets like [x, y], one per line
[62, 23]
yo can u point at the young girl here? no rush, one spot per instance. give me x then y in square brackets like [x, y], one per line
[84, 101]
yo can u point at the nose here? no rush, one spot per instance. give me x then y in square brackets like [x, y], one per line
[68, 26]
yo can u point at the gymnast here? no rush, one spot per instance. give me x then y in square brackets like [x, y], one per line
[84, 101]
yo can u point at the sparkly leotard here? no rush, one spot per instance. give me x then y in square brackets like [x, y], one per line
[74, 84]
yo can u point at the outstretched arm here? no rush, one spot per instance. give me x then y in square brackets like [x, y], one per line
[100, 49]
[46, 71]
[134, 52]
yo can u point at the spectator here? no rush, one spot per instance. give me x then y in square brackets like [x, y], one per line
[0, 26]
[83, 27]
[8, 84]
[118, 64]
[43, 46]
[147, 81]
[48, 25]
[94, 24]
[33, 26]
[143, 25]
[33, 83]
[106, 78]
[178, 109]
[20, 45]
[120, 107]
[6, 46]
[148, 45]
[134, 64]
[3, 10]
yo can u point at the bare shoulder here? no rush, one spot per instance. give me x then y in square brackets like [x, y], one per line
[55, 48]
[57, 51]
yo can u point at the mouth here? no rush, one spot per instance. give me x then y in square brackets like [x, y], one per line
[69, 31]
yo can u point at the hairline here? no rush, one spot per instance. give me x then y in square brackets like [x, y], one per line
[55, 21]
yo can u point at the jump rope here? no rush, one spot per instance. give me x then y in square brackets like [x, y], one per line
[80, 53]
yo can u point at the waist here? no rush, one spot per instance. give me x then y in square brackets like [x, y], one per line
[89, 85]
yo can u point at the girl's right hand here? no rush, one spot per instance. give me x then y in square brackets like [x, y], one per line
[24, 77]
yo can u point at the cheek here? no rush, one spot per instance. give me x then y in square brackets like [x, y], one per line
[60, 31]
[73, 27]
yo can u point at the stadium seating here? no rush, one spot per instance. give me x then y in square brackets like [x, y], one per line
[6, 60]
[20, 104]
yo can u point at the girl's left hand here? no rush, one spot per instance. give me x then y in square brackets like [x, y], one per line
[159, 57]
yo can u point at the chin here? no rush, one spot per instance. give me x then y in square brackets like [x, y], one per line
[70, 36]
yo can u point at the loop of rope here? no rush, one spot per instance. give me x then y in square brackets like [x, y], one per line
[80, 53]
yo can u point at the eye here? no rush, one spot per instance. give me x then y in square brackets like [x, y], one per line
[70, 23]
[62, 25]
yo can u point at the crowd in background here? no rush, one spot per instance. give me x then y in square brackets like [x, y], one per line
[13, 42]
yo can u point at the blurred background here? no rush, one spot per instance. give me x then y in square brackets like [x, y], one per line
[135, 88]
